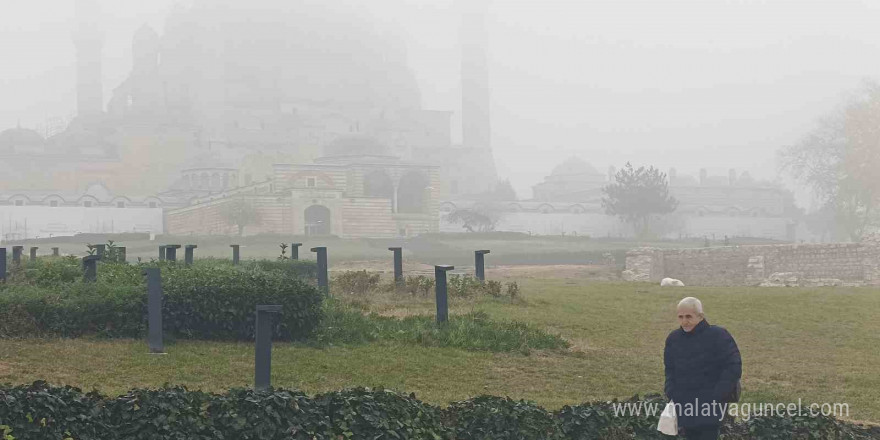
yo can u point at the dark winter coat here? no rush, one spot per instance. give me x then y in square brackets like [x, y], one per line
[702, 366]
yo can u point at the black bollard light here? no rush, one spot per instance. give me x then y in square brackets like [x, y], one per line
[121, 254]
[154, 310]
[480, 264]
[398, 265]
[161, 253]
[441, 292]
[3, 264]
[263, 351]
[56, 252]
[90, 268]
[294, 251]
[189, 254]
[171, 252]
[323, 280]
[236, 254]
[34, 253]
[16, 255]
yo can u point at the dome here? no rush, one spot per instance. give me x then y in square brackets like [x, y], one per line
[574, 166]
[20, 137]
[146, 35]
[355, 146]
[328, 52]
[209, 161]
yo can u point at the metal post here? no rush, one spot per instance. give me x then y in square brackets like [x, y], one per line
[34, 253]
[161, 253]
[154, 310]
[398, 264]
[102, 250]
[3, 264]
[189, 253]
[235, 254]
[480, 264]
[16, 255]
[171, 251]
[440, 290]
[263, 351]
[323, 282]
[294, 251]
[121, 254]
[56, 252]
[90, 268]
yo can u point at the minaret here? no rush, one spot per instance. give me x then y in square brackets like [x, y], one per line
[88, 41]
[475, 113]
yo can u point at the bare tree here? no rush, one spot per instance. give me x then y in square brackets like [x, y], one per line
[839, 160]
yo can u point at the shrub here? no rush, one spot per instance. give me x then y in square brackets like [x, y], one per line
[355, 282]
[474, 331]
[169, 413]
[245, 414]
[597, 420]
[219, 303]
[419, 284]
[41, 411]
[496, 418]
[205, 302]
[381, 414]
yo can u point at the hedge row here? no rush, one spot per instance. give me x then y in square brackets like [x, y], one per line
[40, 411]
[206, 301]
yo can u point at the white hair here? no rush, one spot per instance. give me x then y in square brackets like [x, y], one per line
[691, 303]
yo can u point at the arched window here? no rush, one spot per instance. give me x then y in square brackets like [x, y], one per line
[378, 184]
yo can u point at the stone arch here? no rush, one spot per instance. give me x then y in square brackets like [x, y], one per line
[411, 193]
[317, 220]
[378, 183]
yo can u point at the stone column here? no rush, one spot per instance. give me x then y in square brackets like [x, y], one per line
[440, 291]
[263, 349]
[323, 278]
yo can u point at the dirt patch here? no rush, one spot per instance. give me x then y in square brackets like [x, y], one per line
[562, 271]
[558, 271]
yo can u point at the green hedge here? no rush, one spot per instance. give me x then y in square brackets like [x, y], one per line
[204, 302]
[41, 411]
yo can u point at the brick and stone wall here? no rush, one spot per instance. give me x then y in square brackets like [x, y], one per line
[805, 264]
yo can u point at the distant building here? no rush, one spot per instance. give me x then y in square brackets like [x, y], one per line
[358, 190]
[569, 201]
[214, 106]
[40, 214]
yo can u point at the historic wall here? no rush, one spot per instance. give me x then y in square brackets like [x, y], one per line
[804, 264]
[24, 222]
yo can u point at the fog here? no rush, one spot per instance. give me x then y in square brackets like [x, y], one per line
[691, 84]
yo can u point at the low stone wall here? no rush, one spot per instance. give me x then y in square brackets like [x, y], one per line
[804, 264]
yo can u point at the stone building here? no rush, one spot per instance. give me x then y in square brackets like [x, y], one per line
[226, 95]
[357, 190]
[569, 201]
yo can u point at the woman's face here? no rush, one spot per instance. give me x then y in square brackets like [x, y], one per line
[688, 318]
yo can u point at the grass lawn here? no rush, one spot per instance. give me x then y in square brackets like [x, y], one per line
[819, 345]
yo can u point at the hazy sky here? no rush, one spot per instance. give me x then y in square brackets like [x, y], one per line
[684, 83]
